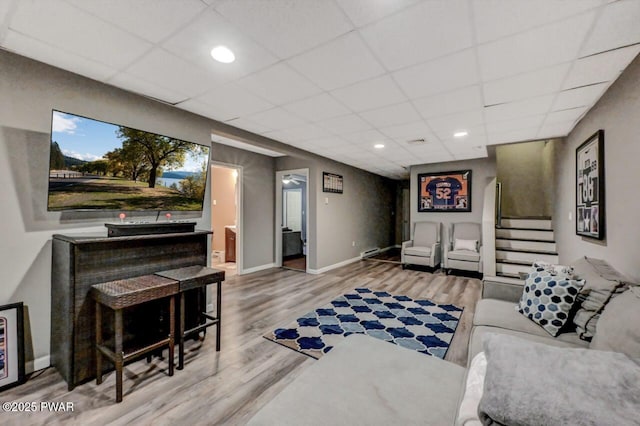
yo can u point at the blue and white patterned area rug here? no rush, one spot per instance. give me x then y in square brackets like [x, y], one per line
[421, 325]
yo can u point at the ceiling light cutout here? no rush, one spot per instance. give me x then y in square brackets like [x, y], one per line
[223, 54]
[460, 134]
[379, 146]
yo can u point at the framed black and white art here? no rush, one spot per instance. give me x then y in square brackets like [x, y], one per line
[590, 206]
[11, 345]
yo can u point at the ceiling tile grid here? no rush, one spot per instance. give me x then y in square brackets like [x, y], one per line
[336, 77]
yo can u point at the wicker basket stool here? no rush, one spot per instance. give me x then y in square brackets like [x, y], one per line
[122, 294]
[196, 278]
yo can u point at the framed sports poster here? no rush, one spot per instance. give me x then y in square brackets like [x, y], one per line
[332, 182]
[590, 187]
[11, 346]
[444, 191]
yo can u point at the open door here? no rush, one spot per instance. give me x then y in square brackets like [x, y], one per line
[291, 219]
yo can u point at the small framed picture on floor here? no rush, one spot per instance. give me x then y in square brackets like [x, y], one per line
[11, 345]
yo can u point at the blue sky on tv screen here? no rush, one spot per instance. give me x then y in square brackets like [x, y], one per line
[87, 139]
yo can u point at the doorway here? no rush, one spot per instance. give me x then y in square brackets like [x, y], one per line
[291, 219]
[226, 243]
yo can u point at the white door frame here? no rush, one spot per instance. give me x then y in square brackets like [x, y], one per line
[239, 215]
[278, 222]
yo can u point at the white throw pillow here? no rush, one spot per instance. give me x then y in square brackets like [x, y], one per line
[471, 245]
[468, 412]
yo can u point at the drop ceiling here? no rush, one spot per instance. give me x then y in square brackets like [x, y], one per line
[336, 77]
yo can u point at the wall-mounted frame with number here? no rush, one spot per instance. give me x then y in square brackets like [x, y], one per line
[444, 191]
[590, 201]
[332, 182]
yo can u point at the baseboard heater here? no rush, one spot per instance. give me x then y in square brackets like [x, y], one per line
[370, 252]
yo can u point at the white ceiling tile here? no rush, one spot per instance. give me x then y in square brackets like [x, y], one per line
[409, 131]
[391, 115]
[362, 12]
[498, 18]
[306, 132]
[617, 26]
[249, 125]
[287, 27]
[368, 138]
[558, 129]
[146, 88]
[344, 124]
[370, 94]
[480, 152]
[340, 62]
[231, 101]
[417, 34]
[43, 52]
[565, 115]
[317, 108]
[276, 118]
[65, 27]
[520, 135]
[599, 68]
[196, 107]
[194, 43]
[447, 125]
[517, 109]
[438, 76]
[527, 85]
[519, 123]
[279, 84]
[143, 18]
[458, 100]
[167, 70]
[535, 49]
[582, 96]
[328, 142]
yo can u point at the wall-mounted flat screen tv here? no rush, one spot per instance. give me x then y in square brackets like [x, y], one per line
[96, 165]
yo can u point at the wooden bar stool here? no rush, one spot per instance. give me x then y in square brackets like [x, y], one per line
[197, 278]
[122, 294]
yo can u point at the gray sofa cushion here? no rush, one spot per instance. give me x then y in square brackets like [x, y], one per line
[501, 314]
[602, 283]
[367, 381]
[466, 255]
[619, 326]
[418, 251]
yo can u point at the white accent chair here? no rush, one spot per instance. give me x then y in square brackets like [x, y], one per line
[463, 251]
[424, 248]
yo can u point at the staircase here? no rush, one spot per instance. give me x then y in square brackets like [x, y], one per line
[520, 242]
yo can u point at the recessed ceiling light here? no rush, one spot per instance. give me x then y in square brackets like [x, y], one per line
[379, 146]
[460, 134]
[223, 54]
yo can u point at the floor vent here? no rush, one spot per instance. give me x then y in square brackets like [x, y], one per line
[369, 252]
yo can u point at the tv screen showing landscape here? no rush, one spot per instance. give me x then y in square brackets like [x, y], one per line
[102, 166]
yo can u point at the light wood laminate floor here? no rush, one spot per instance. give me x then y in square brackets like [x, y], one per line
[228, 387]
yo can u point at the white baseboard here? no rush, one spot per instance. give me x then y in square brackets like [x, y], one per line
[389, 248]
[37, 364]
[257, 268]
[334, 266]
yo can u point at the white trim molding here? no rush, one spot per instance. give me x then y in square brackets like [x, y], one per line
[334, 266]
[257, 268]
[37, 364]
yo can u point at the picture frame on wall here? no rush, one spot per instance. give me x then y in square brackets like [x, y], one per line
[11, 345]
[332, 182]
[444, 191]
[590, 196]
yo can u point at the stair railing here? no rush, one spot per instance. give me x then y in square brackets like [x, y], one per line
[489, 230]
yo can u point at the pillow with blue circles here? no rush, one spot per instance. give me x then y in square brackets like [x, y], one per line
[547, 298]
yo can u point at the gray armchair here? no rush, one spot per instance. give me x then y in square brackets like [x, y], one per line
[424, 248]
[463, 251]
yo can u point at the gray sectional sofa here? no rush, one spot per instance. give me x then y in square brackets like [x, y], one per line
[367, 381]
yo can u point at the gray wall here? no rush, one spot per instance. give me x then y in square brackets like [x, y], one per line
[29, 91]
[617, 113]
[363, 213]
[483, 170]
[527, 184]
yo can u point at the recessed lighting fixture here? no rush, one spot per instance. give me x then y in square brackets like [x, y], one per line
[379, 146]
[223, 54]
[460, 134]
